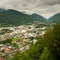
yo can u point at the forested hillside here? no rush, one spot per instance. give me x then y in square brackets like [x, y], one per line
[13, 17]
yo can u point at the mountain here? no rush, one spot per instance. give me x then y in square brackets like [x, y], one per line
[14, 17]
[38, 18]
[55, 18]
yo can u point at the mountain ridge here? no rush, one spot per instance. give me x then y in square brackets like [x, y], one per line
[15, 17]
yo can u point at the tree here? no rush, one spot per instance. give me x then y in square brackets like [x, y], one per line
[51, 40]
[46, 55]
[21, 56]
[35, 51]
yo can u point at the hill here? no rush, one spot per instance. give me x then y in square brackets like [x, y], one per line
[55, 18]
[38, 18]
[14, 17]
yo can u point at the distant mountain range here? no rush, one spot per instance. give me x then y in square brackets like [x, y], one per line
[14, 17]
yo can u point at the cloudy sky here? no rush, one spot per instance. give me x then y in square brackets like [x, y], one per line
[45, 8]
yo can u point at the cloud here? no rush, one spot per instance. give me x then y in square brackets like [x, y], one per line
[42, 7]
[50, 2]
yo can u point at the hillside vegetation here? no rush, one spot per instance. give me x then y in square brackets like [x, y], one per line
[13, 17]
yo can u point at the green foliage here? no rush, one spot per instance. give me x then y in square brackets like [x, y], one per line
[9, 58]
[21, 56]
[16, 39]
[35, 51]
[51, 40]
[46, 55]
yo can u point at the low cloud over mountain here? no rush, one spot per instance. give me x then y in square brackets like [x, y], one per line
[45, 8]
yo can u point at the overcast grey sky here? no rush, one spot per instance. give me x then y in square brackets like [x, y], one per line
[45, 8]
